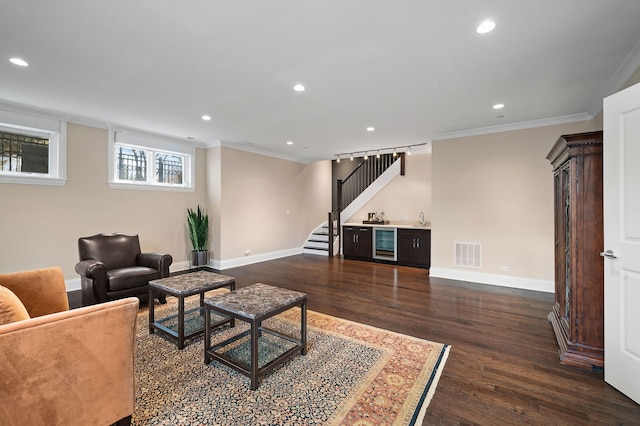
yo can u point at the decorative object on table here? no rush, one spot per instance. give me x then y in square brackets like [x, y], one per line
[112, 266]
[375, 219]
[383, 377]
[198, 227]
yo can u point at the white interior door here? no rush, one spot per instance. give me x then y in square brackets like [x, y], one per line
[622, 241]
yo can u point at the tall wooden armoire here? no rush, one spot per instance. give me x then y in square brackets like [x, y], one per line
[578, 313]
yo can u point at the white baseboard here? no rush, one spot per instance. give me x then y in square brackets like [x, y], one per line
[256, 258]
[492, 279]
[73, 284]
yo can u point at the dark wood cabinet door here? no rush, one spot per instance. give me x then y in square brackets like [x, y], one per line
[348, 242]
[365, 243]
[357, 242]
[423, 249]
[414, 247]
[405, 244]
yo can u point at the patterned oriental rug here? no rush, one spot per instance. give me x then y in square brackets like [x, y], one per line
[352, 374]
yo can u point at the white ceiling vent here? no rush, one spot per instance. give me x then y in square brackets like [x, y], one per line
[468, 255]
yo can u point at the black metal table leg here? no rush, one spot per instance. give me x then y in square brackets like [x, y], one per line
[255, 328]
[152, 314]
[207, 334]
[303, 328]
[180, 322]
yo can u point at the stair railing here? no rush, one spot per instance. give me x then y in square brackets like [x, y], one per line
[364, 175]
[353, 185]
[334, 230]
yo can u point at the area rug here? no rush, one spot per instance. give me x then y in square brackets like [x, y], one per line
[352, 374]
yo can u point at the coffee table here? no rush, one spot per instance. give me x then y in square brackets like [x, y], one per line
[182, 286]
[254, 304]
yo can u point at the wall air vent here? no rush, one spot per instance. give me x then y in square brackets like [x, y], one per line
[467, 255]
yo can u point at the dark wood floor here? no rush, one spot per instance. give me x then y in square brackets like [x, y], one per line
[503, 367]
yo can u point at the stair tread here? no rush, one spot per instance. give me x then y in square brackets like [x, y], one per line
[316, 248]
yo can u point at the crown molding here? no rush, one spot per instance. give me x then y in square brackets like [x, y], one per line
[514, 126]
[35, 111]
[619, 80]
[248, 147]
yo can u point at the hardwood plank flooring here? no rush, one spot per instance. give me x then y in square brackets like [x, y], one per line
[503, 367]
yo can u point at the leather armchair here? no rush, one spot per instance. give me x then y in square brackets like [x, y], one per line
[112, 267]
[61, 366]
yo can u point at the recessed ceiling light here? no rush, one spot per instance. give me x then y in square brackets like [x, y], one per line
[289, 143]
[370, 129]
[20, 62]
[206, 117]
[485, 27]
[498, 106]
[298, 88]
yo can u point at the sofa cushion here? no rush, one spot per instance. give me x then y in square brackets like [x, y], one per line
[125, 278]
[11, 308]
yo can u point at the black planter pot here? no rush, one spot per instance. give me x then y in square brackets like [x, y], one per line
[200, 258]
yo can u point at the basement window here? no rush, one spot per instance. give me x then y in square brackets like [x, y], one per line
[32, 149]
[142, 161]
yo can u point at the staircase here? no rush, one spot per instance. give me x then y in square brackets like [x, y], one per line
[318, 241]
[356, 190]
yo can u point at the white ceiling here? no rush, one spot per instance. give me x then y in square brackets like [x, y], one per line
[415, 70]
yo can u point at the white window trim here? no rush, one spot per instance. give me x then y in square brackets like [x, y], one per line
[155, 144]
[38, 125]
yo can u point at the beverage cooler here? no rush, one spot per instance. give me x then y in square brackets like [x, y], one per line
[384, 244]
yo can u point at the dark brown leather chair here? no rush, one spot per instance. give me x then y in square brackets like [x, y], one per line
[112, 267]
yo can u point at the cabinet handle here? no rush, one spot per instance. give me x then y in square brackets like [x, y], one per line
[418, 242]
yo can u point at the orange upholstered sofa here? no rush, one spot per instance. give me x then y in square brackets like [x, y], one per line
[61, 366]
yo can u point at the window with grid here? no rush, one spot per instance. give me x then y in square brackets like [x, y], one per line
[151, 165]
[32, 148]
[24, 153]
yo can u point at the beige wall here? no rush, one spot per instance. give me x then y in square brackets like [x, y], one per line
[247, 197]
[497, 190]
[406, 196]
[42, 224]
[264, 205]
[214, 199]
[494, 189]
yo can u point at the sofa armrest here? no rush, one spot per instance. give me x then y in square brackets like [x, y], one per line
[91, 269]
[93, 278]
[72, 368]
[158, 261]
[41, 291]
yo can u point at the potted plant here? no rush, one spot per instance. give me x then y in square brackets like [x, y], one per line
[198, 225]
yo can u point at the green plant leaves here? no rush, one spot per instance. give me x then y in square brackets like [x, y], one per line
[198, 225]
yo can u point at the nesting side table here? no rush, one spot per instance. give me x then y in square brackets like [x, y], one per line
[182, 286]
[255, 304]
